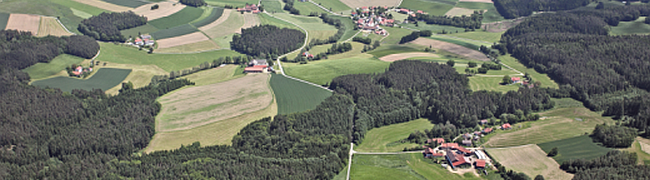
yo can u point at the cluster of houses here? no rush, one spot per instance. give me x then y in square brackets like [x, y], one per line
[370, 21]
[79, 70]
[252, 8]
[258, 66]
[456, 155]
[144, 40]
[410, 12]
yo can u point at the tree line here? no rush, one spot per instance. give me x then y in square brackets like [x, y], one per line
[267, 40]
[194, 3]
[614, 165]
[107, 26]
[414, 35]
[471, 22]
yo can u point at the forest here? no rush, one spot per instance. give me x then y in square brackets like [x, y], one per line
[613, 165]
[414, 35]
[19, 49]
[267, 40]
[107, 26]
[614, 136]
[511, 9]
[471, 22]
[194, 3]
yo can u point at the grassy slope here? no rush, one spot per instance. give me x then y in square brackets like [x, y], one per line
[490, 83]
[581, 147]
[174, 31]
[168, 62]
[294, 96]
[127, 3]
[632, 27]
[349, 28]
[479, 35]
[380, 139]
[272, 6]
[228, 27]
[234, 3]
[643, 157]
[431, 7]
[323, 71]
[103, 79]
[315, 26]
[215, 13]
[214, 75]
[266, 19]
[514, 63]
[402, 166]
[333, 5]
[385, 50]
[490, 16]
[307, 8]
[144, 29]
[434, 27]
[4, 18]
[184, 16]
[395, 35]
[58, 64]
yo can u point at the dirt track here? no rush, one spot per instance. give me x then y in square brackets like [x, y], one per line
[24, 22]
[182, 40]
[529, 159]
[165, 9]
[105, 5]
[453, 48]
[397, 57]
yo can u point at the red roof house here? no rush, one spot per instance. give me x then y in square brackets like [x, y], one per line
[466, 151]
[506, 126]
[484, 121]
[449, 145]
[438, 140]
[515, 79]
[480, 163]
[254, 69]
[459, 160]
[487, 130]
[420, 11]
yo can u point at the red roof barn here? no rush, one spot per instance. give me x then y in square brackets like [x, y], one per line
[480, 163]
[506, 126]
[487, 130]
[438, 140]
[449, 145]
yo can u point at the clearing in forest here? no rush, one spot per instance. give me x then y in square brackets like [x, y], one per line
[105, 5]
[386, 138]
[453, 48]
[201, 105]
[24, 22]
[397, 57]
[529, 159]
[50, 26]
[501, 26]
[165, 9]
[581, 147]
[294, 96]
[182, 40]
[104, 79]
[365, 3]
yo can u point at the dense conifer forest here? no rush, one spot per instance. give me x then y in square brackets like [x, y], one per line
[473, 21]
[20, 50]
[613, 165]
[267, 40]
[511, 9]
[107, 26]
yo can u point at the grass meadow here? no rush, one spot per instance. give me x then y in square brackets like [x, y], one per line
[127, 3]
[4, 18]
[349, 28]
[184, 16]
[528, 159]
[632, 27]
[104, 79]
[234, 3]
[477, 83]
[226, 28]
[434, 27]
[333, 5]
[581, 147]
[134, 32]
[213, 16]
[266, 19]
[539, 77]
[490, 16]
[168, 62]
[58, 64]
[479, 36]
[272, 6]
[323, 71]
[433, 7]
[385, 50]
[174, 32]
[383, 139]
[306, 8]
[395, 35]
[294, 96]
[315, 26]
[400, 166]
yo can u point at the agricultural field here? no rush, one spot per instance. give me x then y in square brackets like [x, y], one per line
[539, 77]
[214, 15]
[433, 7]
[529, 159]
[385, 50]
[434, 27]
[164, 9]
[557, 124]
[134, 32]
[266, 19]
[477, 83]
[349, 28]
[225, 25]
[273, 6]
[182, 40]
[450, 47]
[456, 11]
[250, 20]
[174, 32]
[333, 5]
[104, 79]
[234, 3]
[190, 48]
[168, 62]
[201, 105]
[397, 57]
[361, 3]
[4, 18]
[214, 75]
[479, 36]
[386, 138]
[490, 13]
[140, 75]
[24, 22]
[633, 27]
[315, 26]
[105, 5]
[581, 147]
[184, 16]
[295, 96]
[56, 66]
[49, 26]
[306, 8]
[323, 71]
[641, 147]
[127, 3]
[56, 8]
[400, 166]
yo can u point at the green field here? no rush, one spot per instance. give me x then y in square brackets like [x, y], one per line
[435, 7]
[4, 18]
[80, 14]
[234, 3]
[581, 147]
[477, 83]
[479, 35]
[58, 64]
[349, 28]
[307, 8]
[539, 77]
[385, 50]
[323, 71]
[56, 8]
[643, 157]
[333, 5]
[168, 62]
[632, 27]
[294, 96]
[490, 16]
[127, 3]
[315, 26]
[209, 15]
[104, 79]
[400, 166]
[184, 16]
[395, 35]
[272, 6]
[470, 45]
[134, 32]
[434, 27]
[266, 19]
[384, 139]
[175, 31]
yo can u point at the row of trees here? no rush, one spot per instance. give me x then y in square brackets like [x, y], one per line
[288, 6]
[107, 26]
[194, 3]
[414, 35]
[267, 40]
[336, 22]
[474, 21]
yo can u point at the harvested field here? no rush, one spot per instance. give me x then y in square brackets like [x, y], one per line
[361, 3]
[224, 17]
[165, 9]
[529, 159]
[105, 5]
[456, 11]
[482, 1]
[201, 105]
[228, 26]
[645, 144]
[24, 22]
[501, 26]
[182, 40]
[397, 57]
[453, 48]
[49, 26]
[189, 48]
[250, 20]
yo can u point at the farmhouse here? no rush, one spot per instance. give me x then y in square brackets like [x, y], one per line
[449, 146]
[257, 66]
[249, 8]
[307, 55]
[483, 122]
[255, 69]
[437, 140]
[515, 79]
[487, 130]
[479, 164]
[258, 62]
[454, 159]
[465, 151]
[506, 126]
[429, 152]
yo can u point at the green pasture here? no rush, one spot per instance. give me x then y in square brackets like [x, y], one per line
[58, 64]
[127, 3]
[315, 26]
[539, 77]
[207, 12]
[479, 36]
[349, 28]
[332, 5]
[184, 16]
[273, 6]
[386, 138]
[104, 79]
[433, 7]
[460, 68]
[234, 3]
[134, 32]
[467, 44]
[385, 50]
[633, 27]
[490, 16]
[395, 35]
[295, 96]
[123, 54]
[400, 166]
[581, 147]
[477, 83]
[4, 19]
[215, 14]
[323, 71]
[175, 31]
[81, 14]
[434, 27]
[266, 19]
[306, 8]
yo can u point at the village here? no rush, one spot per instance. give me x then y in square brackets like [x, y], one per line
[370, 18]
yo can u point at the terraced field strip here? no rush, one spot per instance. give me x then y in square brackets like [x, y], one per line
[24, 22]
[453, 48]
[215, 14]
[529, 159]
[127, 3]
[104, 79]
[174, 32]
[105, 5]
[182, 40]
[182, 17]
[4, 18]
[50, 26]
[225, 14]
[165, 8]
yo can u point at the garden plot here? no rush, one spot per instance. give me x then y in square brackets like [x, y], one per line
[24, 22]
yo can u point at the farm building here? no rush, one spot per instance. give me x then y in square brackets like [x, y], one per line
[449, 146]
[307, 55]
[138, 41]
[506, 126]
[480, 154]
[479, 164]
[515, 79]
[249, 8]
[255, 69]
[437, 140]
[429, 152]
[483, 122]
[465, 151]
[455, 160]
[258, 62]
[467, 136]
[487, 130]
